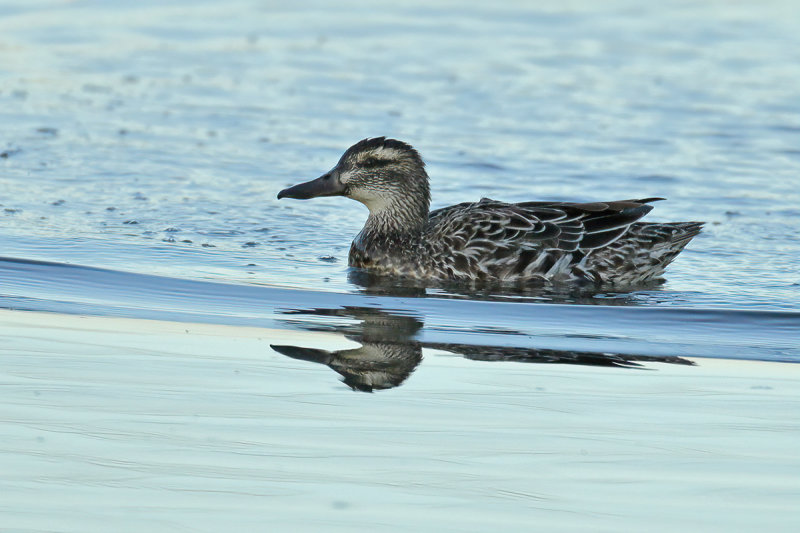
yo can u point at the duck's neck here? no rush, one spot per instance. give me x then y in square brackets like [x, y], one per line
[396, 219]
[402, 213]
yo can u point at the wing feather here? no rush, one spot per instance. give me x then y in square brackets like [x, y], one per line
[500, 239]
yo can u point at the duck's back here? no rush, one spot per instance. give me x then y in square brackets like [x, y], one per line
[599, 242]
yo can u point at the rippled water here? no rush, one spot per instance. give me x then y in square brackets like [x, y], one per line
[152, 137]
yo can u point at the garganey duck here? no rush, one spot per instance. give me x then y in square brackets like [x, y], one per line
[601, 243]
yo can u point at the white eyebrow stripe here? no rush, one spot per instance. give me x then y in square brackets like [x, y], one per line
[383, 152]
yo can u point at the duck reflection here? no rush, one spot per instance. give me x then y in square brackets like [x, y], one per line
[387, 356]
[389, 351]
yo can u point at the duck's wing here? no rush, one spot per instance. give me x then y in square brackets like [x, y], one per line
[488, 234]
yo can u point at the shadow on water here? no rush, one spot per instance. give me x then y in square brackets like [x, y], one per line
[390, 350]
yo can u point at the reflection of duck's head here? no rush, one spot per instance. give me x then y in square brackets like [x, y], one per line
[386, 357]
[386, 175]
[373, 366]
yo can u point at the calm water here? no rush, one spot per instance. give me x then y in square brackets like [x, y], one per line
[111, 424]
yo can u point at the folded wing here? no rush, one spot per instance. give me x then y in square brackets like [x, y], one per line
[501, 240]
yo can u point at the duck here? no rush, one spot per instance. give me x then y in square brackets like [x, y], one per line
[490, 241]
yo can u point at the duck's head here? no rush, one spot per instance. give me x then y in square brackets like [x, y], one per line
[384, 174]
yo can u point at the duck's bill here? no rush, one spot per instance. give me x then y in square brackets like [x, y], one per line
[326, 185]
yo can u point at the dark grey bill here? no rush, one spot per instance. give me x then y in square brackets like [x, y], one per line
[326, 185]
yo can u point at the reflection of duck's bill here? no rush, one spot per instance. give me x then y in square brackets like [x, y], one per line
[304, 354]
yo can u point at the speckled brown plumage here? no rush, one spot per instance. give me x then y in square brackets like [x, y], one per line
[490, 241]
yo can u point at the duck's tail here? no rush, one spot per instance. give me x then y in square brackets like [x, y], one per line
[643, 253]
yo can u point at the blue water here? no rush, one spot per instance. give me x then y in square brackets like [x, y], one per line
[152, 137]
[142, 144]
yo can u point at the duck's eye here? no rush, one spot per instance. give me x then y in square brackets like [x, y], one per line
[373, 162]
